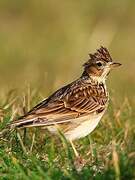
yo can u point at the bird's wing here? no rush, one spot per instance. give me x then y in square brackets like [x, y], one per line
[77, 102]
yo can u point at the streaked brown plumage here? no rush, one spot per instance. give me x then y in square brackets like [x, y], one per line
[76, 108]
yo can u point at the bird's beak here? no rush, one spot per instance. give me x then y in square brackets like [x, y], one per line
[115, 64]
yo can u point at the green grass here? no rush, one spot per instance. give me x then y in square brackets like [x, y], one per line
[109, 151]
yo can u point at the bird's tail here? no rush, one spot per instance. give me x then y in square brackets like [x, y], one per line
[6, 132]
[17, 124]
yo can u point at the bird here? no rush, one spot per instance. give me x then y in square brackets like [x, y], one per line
[77, 108]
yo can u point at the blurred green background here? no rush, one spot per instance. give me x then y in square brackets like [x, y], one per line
[45, 42]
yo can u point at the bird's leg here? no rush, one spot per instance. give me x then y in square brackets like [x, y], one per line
[74, 149]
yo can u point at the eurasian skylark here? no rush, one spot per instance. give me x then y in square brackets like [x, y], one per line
[77, 108]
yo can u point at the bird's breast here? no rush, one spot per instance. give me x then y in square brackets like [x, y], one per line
[86, 126]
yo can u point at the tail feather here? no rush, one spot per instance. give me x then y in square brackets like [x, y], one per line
[22, 123]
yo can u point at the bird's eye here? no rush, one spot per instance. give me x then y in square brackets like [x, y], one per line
[99, 64]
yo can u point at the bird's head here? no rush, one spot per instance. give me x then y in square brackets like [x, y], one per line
[99, 65]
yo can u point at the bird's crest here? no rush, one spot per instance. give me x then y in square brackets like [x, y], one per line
[100, 54]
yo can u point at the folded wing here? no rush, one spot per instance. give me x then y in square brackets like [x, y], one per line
[77, 102]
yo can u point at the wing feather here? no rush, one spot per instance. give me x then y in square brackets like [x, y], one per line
[79, 101]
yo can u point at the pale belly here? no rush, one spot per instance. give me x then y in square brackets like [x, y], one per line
[83, 126]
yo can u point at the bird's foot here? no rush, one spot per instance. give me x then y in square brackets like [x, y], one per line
[79, 163]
